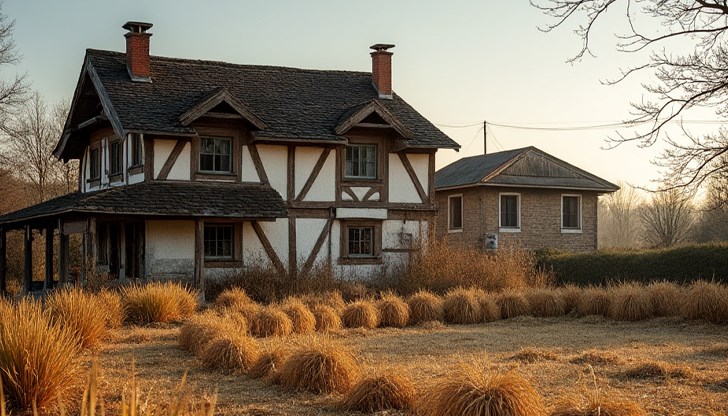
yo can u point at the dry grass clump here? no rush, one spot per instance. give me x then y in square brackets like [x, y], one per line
[630, 302]
[461, 306]
[360, 314]
[302, 319]
[38, 357]
[232, 298]
[158, 302]
[570, 294]
[488, 307]
[534, 355]
[595, 406]
[237, 319]
[425, 307]
[666, 298]
[113, 307]
[512, 304]
[230, 352]
[380, 392]
[597, 357]
[320, 367]
[196, 333]
[271, 322]
[707, 301]
[269, 363]
[659, 370]
[546, 302]
[594, 301]
[472, 391]
[81, 313]
[332, 298]
[327, 319]
[393, 311]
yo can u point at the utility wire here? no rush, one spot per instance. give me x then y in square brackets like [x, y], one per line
[605, 125]
[477, 133]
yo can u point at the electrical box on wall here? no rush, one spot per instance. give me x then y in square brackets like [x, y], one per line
[491, 241]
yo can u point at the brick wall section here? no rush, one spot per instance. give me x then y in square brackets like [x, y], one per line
[540, 218]
[382, 71]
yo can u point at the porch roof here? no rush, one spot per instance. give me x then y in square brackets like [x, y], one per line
[156, 198]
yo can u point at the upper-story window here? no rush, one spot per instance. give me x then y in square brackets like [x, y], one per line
[136, 150]
[115, 158]
[361, 161]
[94, 162]
[571, 213]
[216, 154]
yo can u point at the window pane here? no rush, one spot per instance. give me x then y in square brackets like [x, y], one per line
[571, 214]
[361, 241]
[218, 241]
[207, 162]
[361, 161]
[456, 213]
[215, 154]
[509, 211]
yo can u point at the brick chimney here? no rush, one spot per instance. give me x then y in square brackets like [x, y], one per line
[382, 69]
[137, 50]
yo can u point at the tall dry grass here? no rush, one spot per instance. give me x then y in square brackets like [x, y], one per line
[630, 302]
[393, 311]
[113, 308]
[327, 319]
[425, 306]
[594, 300]
[666, 298]
[158, 302]
[302, 319]
[440, 266]
[707, 301]
[381, 392]
[360, 314]
[322, 366]
[81, 312]
[38, 357]
[461, 306]
[546, 302]
[230, 352]
[271, 322]
[474, 391]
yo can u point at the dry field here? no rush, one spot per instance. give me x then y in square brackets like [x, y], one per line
[668, 365]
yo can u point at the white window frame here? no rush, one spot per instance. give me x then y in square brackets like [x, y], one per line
[581, 215]
[450, 228]
[502, 228]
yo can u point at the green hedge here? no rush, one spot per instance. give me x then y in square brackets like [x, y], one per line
[680, 265]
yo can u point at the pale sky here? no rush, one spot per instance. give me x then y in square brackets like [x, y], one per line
[456, 62]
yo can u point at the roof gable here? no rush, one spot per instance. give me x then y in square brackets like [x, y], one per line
[527, 167]
[221, 100]
[372, 114]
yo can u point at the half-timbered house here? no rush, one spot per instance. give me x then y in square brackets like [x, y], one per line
[194, 168]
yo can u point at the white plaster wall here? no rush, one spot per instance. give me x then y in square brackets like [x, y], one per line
[181, 168]
[170, 248]
[308, 231]
[393, 229]
[360, 191]
[249, 174]
[306, 158]
[373, 213]
[421, 165]
[275, 163]
[162, 150]
[277, 234]
[324, 187]
[139, 177]
[401, 188]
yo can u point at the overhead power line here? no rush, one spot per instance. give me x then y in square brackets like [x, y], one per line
[605, 125]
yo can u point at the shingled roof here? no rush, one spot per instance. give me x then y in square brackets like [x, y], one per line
[165, 199]
[527, 167]
[292, 103]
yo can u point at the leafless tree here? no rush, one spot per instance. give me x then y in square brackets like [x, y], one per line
[29, 142]
[684, 81]
[668, 218]
[13, 89]
[713, 222]
[621, 222]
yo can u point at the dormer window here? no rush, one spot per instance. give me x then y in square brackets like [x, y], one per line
[136, 150]
[216, 154]
[361, 161]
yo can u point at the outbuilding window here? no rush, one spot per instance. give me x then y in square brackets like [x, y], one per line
[571, 213]
[455, 213]
[510, 211]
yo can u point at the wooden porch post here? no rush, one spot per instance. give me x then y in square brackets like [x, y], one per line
[88, 263]
[28, 265]
[3, 262]
[62, 255]
[200, 257]
[48, 283]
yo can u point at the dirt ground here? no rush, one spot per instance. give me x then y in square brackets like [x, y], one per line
[560, 356]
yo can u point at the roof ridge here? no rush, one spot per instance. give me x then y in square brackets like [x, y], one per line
[234, 65]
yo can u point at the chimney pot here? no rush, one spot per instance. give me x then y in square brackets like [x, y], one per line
[137, 50]
[382, 69]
